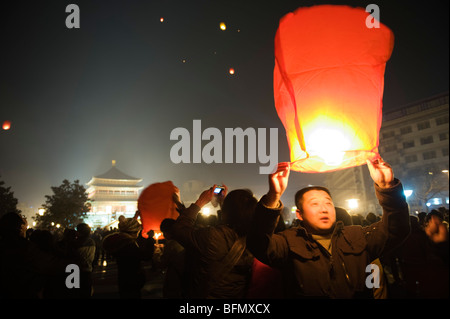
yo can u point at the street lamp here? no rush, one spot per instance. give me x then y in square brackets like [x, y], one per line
[407, 192]
[41, 211]
[206, 211]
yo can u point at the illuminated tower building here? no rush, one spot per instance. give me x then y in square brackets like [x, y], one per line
[112, 194]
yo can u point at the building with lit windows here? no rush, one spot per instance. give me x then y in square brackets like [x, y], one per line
[110, 195]
[352, 189]
[414, 140]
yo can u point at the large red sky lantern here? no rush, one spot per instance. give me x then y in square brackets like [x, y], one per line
[328, 85]
[155, 204]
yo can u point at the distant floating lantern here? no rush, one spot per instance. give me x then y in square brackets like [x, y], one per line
[328, 86]
[231, 71]
[161, 19]
[223, 26]
[6, 125]
[155, 204]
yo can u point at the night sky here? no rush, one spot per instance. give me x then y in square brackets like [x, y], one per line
[116, 87]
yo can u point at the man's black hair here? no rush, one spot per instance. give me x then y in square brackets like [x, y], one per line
[300, 193]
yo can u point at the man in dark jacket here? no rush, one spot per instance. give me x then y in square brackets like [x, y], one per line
[130, 251]
[217, 261]
[322, 257]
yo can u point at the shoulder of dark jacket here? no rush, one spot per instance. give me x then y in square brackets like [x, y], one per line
[262, 207]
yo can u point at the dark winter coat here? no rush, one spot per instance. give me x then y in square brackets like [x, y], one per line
[206, 249]
[309, 270]
[129, 255]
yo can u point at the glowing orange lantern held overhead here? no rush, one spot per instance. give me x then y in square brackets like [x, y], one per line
[155, 204]
[328, 86]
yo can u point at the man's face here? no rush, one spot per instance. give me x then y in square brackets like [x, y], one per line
[317, 211]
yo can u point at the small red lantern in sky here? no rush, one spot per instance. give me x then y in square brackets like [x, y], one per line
[155, 204]
[6, 125]
[231, 71]
[161, 19]
[328, 85]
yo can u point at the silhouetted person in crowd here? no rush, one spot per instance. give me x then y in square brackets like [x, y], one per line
[129, 255]
[322, 257]
[419, 267]
[85, 248]
[171, 259]
[343, 216]
[357, 219]
[24, 268]
[422, 216]
[371, 218]
[97, 237]
[220, 264]
[67, 245]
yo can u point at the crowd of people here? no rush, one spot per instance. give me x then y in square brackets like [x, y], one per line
[33, 263]
[247, 251]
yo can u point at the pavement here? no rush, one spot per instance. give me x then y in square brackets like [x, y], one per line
[105, 281]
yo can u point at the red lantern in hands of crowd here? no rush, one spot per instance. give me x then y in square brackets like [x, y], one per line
[155, 204]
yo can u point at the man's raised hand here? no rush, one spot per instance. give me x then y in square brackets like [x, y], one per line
[278, 182]
[381, 173]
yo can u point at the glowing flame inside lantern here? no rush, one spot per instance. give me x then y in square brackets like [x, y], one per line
[329, 139]
[328, 144]
[157, 235]
[223, 26]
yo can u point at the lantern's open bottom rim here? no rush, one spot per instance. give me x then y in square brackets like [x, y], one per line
[316, 164]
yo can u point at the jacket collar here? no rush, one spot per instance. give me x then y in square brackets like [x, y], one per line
[302, 231]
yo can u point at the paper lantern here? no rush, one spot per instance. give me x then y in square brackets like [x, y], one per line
[155, 204]
[6, 125]
[328, 86]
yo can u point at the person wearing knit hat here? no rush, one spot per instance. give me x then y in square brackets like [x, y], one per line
[130, 226]
[129, 254]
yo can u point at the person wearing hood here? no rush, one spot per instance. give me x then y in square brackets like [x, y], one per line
[129, 254]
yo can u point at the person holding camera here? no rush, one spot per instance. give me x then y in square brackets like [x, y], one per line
[218, 263]
[322, 258]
